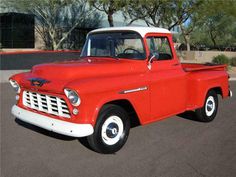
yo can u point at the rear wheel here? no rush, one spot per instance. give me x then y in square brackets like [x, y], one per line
[208, 112]
[111, 130]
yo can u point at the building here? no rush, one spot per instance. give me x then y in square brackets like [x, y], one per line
[17, 30]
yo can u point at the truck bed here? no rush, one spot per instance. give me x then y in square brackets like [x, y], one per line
[191, 67]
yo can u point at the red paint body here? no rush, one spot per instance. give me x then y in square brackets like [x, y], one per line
[172, 87]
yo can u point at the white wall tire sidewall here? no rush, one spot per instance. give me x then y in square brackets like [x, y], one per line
[208, 101]
[112, 119]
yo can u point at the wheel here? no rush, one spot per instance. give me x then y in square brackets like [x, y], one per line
[208, 112]
[111, 130]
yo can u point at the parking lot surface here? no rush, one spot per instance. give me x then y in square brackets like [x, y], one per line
[174, 147]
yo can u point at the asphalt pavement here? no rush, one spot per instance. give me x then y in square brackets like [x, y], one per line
[174, 147]
[21, 61]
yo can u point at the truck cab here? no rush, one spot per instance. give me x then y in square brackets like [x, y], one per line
[124, 75]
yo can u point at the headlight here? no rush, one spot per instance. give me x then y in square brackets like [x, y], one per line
[15, 85]
[73, 97]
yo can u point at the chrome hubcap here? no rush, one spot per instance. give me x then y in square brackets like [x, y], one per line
[210, 106]
[112, 130]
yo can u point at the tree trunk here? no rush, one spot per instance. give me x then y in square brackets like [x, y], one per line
[52, 34]
[214, 42]
[186, 37]
[213, 39]
[54, 45]
[110, 19]
[187, 42]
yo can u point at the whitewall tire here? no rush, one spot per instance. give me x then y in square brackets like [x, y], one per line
[208, 112]
[111, 130]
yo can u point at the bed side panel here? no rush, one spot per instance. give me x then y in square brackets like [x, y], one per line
[199, 83]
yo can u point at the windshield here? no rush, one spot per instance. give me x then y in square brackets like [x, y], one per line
[114, 44]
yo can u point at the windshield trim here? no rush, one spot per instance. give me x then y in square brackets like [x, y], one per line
[105, 56]
[117, 31]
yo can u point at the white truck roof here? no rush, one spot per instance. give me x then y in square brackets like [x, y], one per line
[141, 30]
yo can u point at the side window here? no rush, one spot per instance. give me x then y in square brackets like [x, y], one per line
[160, 46]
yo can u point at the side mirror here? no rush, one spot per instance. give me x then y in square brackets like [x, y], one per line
[152, 57]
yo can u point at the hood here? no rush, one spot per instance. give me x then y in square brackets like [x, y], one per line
[82, 68]
[59, 74]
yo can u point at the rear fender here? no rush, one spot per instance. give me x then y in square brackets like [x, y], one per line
[200, 83]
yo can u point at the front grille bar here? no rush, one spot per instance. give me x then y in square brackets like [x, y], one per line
[46, 103]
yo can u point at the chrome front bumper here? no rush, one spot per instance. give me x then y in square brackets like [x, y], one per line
[48, 123]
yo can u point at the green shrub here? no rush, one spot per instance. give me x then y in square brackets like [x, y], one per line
[233, 61]
[221, 59]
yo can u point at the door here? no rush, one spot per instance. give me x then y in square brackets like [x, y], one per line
[167, 79]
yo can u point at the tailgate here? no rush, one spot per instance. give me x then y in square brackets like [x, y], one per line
[190, 67]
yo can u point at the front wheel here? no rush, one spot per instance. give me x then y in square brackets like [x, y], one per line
[111, 130]
[208, 112]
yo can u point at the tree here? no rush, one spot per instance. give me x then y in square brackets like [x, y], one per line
[216, 24]
[165, 13]
[87, 23]
[188, 27]
[55, 19]
[110, 7]
[160, 13]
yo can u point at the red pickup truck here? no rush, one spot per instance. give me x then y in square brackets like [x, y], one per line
[124, 75]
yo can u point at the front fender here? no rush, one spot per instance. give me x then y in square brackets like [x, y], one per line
[95, 92]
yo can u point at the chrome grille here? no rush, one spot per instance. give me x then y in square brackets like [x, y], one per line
[46, 103]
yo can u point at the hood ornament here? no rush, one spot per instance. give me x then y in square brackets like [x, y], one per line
[38, 82]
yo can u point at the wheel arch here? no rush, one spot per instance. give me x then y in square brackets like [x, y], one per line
[128, 107]
[218, 90]
[203, 94]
